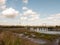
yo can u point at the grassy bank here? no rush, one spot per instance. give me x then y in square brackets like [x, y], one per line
[9, 38]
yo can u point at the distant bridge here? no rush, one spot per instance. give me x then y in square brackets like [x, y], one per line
[46, 30]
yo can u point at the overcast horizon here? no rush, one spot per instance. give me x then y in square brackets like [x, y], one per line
[30, 12]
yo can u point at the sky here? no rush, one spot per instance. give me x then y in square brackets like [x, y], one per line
[30, 12]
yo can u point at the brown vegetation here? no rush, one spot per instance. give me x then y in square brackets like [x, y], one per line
[9, 38]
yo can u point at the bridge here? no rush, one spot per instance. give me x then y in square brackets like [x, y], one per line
[46, 30]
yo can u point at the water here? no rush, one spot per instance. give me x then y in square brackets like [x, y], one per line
[39, 41]
[42, 41]
[49, 32]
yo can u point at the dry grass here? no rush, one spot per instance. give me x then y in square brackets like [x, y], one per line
[9, 38]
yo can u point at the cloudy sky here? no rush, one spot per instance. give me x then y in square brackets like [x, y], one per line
[30, 12]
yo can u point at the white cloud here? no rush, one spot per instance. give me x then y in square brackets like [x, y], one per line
[24, 8]
[25, 1]
[29, 12]
[23, 18]
[3, 7]
[10, 13]
[2, 4]
[6, 22]
[31, 15]
[52, 20]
